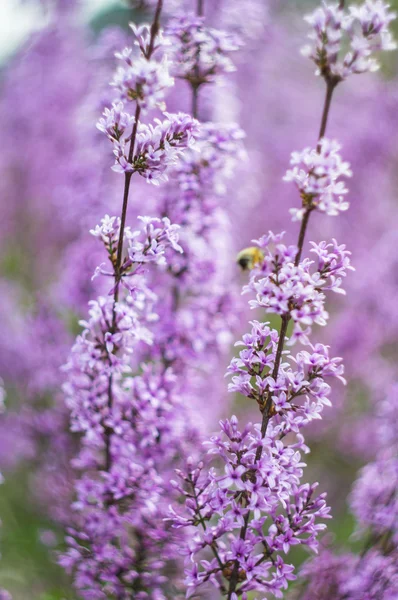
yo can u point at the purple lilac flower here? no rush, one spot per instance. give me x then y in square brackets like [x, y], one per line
[283, 287]
[374, 498]
[200, 54]
[374, 572]
[316, 173]
[262, 474]
[134, 427]
[350, 577]
[262, 373]
[141, 80]
[365, 27]
[284, 511]
[194, 331]
[157, 147]
[130, 438]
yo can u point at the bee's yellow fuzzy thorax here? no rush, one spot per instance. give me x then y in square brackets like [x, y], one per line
[249, 258]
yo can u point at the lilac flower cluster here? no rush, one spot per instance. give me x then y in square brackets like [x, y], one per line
[157, 147]
[246, 517]
[283, 287]
[132, 427]
[195, 328]
[316, 174]
[197, 324]
[149, 150]
[366, 28]
[268, 488]
[350, 577]
[259, 507]
[141, 80]
[306, 379]
[195, 200]
[374, 498]
[374, 573]
[200, 54]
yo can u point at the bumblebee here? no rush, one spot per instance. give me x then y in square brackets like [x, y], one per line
[248, 258]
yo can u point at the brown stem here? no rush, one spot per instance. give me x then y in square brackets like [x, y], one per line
[108, 456]
[303, 230]
[154, 28]
[330, 87]
[127, 180]
[195, 85]
[195, 100]
[275, 371]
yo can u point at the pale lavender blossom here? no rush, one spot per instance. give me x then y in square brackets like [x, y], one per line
[350, 577]
[115, 122]
[133, 422]
[366, 29]
[317, 173]
[200, 54]
[374, 498]
[133, 429]
[282, 287]
[157, 148]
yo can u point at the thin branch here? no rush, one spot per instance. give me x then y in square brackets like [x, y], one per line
[303, 229]
[200, 8]
[195, 99]
[154, 29]
[196, 85]
[203, 523]
[330, 87]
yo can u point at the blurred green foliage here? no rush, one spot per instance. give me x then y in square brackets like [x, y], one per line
[26, 564]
